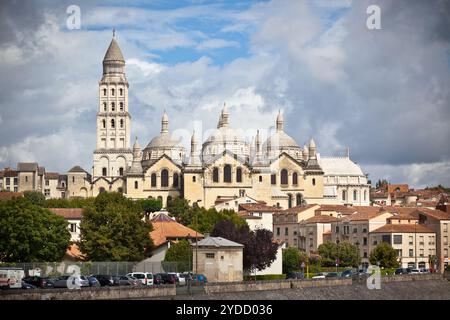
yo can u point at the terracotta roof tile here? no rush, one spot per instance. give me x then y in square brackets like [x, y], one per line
[68, 213]
[435, 214]
[401, 187]
[321, 219]
[74, 252]
[257, 207]
[403, 228]
[51, 175]
[296, 209]
[7, 195]
[337, 208]
[165, 229]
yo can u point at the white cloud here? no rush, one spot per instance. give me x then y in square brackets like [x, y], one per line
[216, 44]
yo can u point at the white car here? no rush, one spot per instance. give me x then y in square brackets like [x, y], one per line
[145, 277]
[415, 271]
[319, 276]
[181, 278]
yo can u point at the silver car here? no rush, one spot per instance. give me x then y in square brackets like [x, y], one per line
[61, 282]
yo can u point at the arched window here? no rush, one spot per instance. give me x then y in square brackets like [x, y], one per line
[299, 199]
[104, 171]
[136, 185]
[175, 180]
[295, 178]
[113, 123]
[153, 180]
[105, 108]
[104, 92]
[121, 91]
[238, 175]
[194, 179]
[169, 200]
[215, 175]
[120, 171]
[260, 178]
[160, 199]
[344, 195]
[113, 106]
[121, 106]
[289, 201]
[227, 173]
[101, 190]
[112, 91]
[104, 123]
[121, 123]
[284, 176]
[273, 179]
[355, 195]
[313, 181]
[164, 178]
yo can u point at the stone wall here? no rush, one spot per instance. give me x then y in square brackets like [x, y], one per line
[104, 293]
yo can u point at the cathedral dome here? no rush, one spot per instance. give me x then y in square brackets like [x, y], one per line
[280, 142]
[224, 138]
[163, 144]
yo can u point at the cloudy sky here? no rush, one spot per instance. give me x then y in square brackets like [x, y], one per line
[383, 93]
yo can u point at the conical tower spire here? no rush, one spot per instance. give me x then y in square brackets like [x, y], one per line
[224, 116]
[280, 121]
[165, 123]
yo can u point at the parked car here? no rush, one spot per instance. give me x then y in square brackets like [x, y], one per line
[61, 282]
[348, 273]
[93, 281]
[169, 278]
[184, 278]
[424, 270]
[415, 271]
[319, 276]
[157, 279]
[145, 277]
[295, 275]
[126, 281]
[40, 282]
[199, 279]
[26, 286]
[332, 275]
[11, 278]
[181, 280]
[402, 271]
[105, 280]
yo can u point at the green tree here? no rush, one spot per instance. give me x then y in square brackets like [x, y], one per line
[291, 260]
[385, 255]
[113, 229]
[346, 253]
[178, 208]
[150, 205]
[30, 233]
[35, 197]
[179, 253]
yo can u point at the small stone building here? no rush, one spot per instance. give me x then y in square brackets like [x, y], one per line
[219, 259]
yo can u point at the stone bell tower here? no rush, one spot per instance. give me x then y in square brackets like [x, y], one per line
[113, 154]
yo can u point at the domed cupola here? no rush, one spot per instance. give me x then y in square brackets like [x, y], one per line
[224, 138]
[163, 144]
[281, 142]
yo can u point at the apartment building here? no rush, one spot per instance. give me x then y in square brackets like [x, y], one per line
[314, 231]
[286, 223]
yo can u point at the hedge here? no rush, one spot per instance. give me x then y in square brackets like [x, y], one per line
[265, 277]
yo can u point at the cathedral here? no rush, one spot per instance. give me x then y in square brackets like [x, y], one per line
[277, 171]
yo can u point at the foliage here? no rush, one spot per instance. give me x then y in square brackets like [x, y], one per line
[35, 197]
[201, 219]
[113, 229]
[263, 277]
[346, 253]
[150, 205]
[181, 254]
[293, 259]
[69, 203]
[385, 255]
[259, 249]
[382, 184]
[31, 233]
